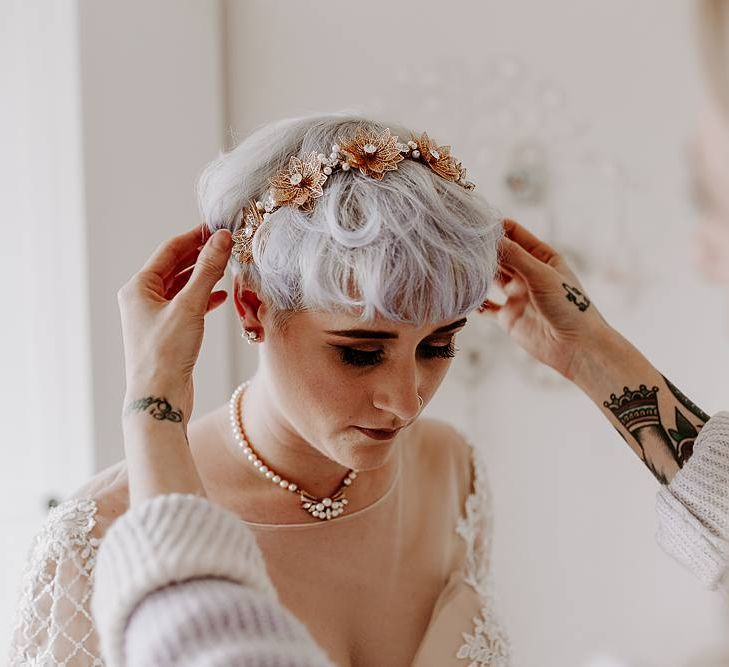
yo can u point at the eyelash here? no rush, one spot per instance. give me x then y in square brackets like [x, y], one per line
[353, 357]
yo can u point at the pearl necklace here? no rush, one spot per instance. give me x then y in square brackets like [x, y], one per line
[324, 509]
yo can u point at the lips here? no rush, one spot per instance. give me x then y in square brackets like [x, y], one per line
[378, 434]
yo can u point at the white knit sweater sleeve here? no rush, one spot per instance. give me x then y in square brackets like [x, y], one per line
[693, 510]
[180, 581]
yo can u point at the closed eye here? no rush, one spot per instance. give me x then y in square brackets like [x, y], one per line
[354, 357]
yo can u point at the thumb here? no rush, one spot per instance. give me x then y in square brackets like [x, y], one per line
[535, 272]
[209, 269]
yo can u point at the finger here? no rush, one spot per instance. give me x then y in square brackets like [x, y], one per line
[533, 245]
[216, 299]
[516, 288]
[503, 277]
[534, 272]
[209, 268]
[179, 281]
[186, 263]
[489, 306]
[169, 253]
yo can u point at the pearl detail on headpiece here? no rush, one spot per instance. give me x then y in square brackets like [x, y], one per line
[371, 152]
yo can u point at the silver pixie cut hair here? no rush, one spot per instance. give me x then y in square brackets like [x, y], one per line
[413, 247]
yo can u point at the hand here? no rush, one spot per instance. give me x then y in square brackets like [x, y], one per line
[547, 311]
[163, 308]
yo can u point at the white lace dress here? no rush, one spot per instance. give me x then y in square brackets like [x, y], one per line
[54, 620]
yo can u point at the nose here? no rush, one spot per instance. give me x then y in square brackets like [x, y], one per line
[398, 396]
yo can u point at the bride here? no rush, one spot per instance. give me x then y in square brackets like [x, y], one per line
[360, 251]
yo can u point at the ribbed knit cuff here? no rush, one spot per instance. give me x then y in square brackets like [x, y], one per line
[168, 539]
[693, 510]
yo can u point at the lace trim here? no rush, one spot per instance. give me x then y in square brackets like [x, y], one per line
[54, 625]
[488, 643]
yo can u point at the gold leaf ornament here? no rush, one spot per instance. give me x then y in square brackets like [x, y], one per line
[371, 152]
[438, 158]
[300, 184]
[250, 219]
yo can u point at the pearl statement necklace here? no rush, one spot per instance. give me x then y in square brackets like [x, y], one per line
[324, 509]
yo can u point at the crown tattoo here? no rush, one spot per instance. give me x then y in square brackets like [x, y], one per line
[373, 153]
[635, 408]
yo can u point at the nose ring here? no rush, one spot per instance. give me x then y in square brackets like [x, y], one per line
[421, 402]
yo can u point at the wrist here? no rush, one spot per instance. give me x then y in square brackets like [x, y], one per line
[156, 400]
[602, 360]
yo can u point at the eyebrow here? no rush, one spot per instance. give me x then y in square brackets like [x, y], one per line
[369, 333]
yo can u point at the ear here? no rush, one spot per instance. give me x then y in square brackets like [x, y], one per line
[249, 307]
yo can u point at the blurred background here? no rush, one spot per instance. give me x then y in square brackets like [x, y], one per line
[576, 117]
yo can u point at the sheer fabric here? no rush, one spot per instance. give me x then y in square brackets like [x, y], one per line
[432, 527]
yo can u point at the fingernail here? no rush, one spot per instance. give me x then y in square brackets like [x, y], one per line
[221, 239]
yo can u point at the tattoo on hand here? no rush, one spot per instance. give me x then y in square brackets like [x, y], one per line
[161, 409]
[575, 296]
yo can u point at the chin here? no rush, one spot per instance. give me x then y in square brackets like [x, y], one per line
[364, 453]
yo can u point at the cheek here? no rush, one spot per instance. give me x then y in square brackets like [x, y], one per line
[435, 379]
[313, 382]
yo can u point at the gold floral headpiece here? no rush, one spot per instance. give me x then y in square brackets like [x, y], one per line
[373, 153]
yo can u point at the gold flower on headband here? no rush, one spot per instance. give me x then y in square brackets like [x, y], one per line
[252, 219]
[438, 158]
[300, 184]
[371, 152]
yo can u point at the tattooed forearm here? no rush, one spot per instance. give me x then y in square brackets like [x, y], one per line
[686, 431]
[694, 409]
[577, 297]
[654, 418]
[637, 411]
[683, 436]
[662, 444]
[161, 409]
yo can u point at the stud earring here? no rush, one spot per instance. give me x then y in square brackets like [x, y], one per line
[250, 335]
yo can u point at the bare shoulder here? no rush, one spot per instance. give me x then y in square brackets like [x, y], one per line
[109, 492]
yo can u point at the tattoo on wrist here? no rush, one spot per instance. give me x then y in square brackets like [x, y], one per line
[685, 433]
[161, 409]
[577, 297]
[687, 403]
[637, 412]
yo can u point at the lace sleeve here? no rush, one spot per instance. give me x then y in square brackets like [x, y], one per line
[487, 643]
[54, 625]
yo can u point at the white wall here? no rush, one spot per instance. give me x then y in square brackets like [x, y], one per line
[45, 396]
[109, 112]
[153, 108]
[578, 571]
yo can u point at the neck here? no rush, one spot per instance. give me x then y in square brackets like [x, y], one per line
[288, 454]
